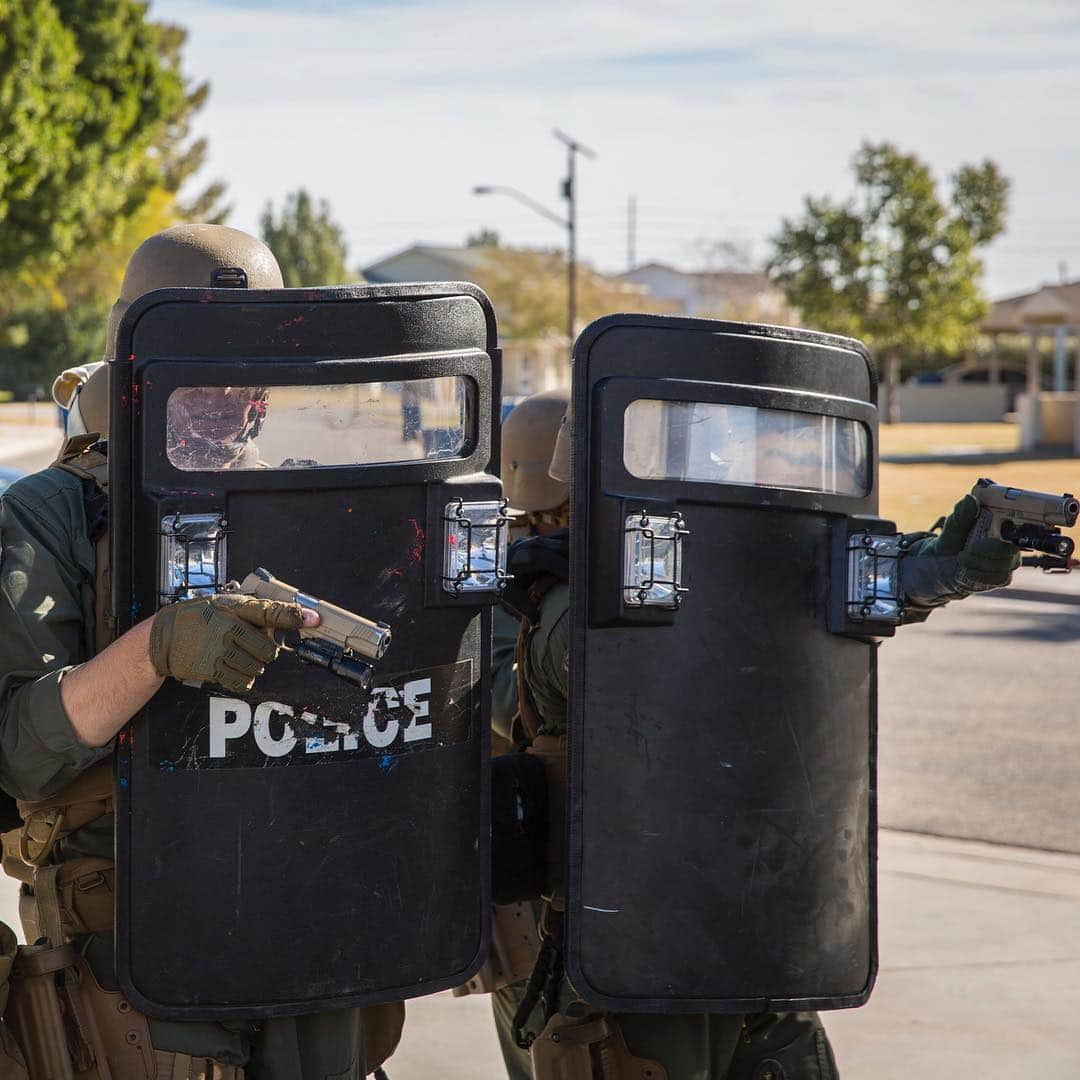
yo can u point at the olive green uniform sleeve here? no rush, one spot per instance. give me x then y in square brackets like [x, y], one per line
[46, 627]
[504, 635]
[547, 660]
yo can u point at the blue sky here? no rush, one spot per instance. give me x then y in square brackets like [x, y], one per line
[718, 115]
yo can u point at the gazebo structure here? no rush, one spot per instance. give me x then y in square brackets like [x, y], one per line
[1046, 418]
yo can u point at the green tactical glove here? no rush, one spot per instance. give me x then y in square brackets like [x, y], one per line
[226, 639]
[937, 569]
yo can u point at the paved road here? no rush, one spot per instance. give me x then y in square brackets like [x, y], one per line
[980, 718]
[28, 446]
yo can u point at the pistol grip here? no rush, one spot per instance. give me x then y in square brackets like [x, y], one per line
[983, 527]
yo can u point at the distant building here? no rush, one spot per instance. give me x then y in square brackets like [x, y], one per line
[529, 367]
[1050, 311]
[728, 294]
[425, 262]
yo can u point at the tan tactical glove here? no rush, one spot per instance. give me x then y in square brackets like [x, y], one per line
[224, 639]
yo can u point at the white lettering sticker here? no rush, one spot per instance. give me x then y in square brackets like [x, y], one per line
[264, 736]
[419, 708]
[230, 718]
[416, 711]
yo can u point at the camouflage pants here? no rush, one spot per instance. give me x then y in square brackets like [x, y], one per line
[767, 1046]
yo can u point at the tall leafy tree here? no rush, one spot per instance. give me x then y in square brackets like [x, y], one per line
[896, 265]
[95, 146]
[85, 93]
[308, 243]
[178, 156]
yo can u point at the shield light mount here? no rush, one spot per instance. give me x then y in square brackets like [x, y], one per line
[475, 536]
[653, 560]
[867, 599]
[874, 579]
[192, 556]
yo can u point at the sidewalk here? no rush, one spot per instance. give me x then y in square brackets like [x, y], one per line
[980, 965]
[980, 975]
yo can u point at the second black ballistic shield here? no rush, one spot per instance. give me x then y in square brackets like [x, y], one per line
[722, 792]
[313, 843]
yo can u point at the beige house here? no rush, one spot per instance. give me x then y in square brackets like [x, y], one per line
[1046, 418]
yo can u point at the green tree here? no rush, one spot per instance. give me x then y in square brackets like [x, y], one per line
[84, 96]
[36, 344]
[179, 156]
[308, 243]
[54, 303]
[895, 265]
[483, 238]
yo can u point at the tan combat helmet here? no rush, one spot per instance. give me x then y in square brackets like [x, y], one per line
[183, 256]
[187, 255]
[559, 468]
[528, 439]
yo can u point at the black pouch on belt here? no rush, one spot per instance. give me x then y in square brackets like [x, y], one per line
[519, 827]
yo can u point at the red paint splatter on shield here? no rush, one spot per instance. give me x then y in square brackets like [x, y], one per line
[416, 552]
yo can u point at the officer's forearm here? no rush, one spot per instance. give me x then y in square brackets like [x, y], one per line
[103, 694]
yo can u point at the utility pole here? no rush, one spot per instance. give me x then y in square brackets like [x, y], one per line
[569, 223]
[573, 148]
[631, 233]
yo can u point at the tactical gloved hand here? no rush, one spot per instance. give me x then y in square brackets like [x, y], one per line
[225, 639]
[937, 569]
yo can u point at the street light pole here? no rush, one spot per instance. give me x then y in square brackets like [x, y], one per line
[569, 223]
[573, 148]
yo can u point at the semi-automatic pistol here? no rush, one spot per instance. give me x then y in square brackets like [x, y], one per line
[344, 643]
[1031, 520]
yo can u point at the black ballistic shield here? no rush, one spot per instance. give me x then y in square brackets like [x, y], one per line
[722, 788]
[312, 844]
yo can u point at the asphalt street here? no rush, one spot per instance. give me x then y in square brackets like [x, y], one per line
[979, 722]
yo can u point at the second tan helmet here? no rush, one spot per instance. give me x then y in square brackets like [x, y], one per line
[559, 466]
[186, 256]
[528, 439]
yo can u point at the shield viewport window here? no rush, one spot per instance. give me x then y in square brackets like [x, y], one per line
[743, 444]
[214, 428]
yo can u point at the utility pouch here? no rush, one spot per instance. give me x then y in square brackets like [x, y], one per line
[72, 1029]
[12, 1062]
[68, 900]
[514, 945]
[583, 1045]
[551, 750]
[382, 1032]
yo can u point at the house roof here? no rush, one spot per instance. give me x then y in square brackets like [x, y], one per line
[1050, 305]
[735, 278]
[455, 259]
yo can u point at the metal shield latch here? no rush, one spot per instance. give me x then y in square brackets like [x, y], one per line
[474, 542]
[192, 556]
[653, 560]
